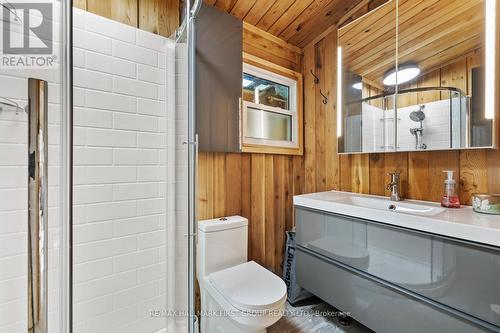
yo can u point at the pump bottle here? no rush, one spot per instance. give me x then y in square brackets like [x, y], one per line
[450, 196]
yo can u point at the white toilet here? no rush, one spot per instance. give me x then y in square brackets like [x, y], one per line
[236, 296]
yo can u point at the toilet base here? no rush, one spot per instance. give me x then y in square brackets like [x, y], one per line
[216, 318]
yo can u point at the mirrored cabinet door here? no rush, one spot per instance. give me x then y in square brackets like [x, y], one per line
[441, 76]
[419, 76]
[366, 51]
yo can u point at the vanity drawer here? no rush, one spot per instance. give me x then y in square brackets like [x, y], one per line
[459, 275]
[374, 305]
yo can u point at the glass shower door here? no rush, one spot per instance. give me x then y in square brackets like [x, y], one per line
[31, 165]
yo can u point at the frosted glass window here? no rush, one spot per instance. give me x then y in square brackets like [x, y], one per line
[269, 125]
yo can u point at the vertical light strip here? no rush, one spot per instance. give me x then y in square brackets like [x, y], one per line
[396, 90]
[489, 101]
[339, 92]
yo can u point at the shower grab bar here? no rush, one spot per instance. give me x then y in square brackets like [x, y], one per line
[8, 103]
[37, 206]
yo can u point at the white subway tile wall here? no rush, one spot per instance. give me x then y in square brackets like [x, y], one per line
[120, 171]
[373, 133]
[437, 127]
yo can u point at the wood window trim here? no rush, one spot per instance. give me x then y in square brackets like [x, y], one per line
[266, 149]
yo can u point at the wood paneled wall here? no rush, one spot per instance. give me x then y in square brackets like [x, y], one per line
[157, 16]
[422, 177]
[259, 187]
[268, 47]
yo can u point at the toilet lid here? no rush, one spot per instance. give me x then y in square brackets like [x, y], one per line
[250, 286]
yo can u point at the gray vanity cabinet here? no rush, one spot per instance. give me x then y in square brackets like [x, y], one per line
[219, 75]
[395, 279]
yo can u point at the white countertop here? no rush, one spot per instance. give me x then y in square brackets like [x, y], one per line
[462, 223]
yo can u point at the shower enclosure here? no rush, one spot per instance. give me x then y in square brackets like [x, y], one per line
[97, 161]
[426, 118]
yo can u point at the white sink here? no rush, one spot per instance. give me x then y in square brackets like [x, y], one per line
[429, 217]
[387, 205]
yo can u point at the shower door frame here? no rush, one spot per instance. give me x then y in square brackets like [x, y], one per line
[38, 199]
[66, 174]
[192, 13]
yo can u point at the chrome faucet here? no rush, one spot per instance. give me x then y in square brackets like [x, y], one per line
[395, 186]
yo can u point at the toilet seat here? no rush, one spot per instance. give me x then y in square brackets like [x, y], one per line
[250, 287]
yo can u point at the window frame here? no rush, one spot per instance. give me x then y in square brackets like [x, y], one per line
[283, 76]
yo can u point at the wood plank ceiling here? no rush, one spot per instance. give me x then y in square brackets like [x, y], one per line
[297, 22]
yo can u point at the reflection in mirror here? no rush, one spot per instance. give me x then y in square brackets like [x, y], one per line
[438, 95]
[365, 105]
[446, 40]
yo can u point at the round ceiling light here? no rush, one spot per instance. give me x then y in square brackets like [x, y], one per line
[405, 73]
[358, 85]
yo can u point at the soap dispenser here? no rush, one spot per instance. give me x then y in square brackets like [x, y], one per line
[450, 197]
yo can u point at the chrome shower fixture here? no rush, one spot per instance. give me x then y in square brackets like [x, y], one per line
[8, 104]
[418, 132]
[418, 116]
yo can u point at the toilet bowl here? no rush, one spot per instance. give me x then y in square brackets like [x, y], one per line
[236, 296]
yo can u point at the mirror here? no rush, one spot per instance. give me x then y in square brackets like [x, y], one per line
[418, 76]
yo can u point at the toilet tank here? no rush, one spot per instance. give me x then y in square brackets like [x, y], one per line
[222, 243]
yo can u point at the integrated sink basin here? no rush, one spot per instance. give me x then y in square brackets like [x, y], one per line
[462, 223]
[387, 205]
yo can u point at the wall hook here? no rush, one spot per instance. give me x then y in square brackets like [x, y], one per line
[316, 79]
[325, 98]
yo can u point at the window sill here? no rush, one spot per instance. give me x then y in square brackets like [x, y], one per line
[275, 150]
